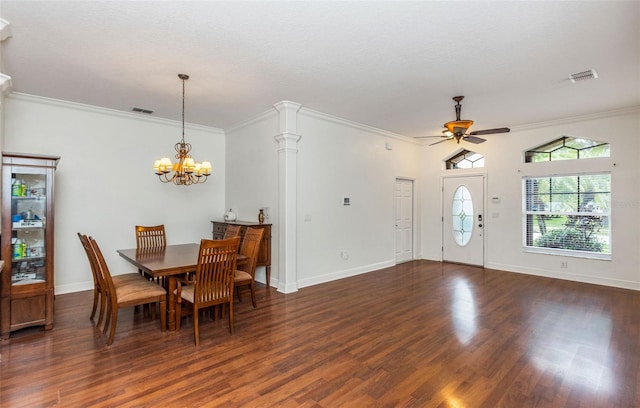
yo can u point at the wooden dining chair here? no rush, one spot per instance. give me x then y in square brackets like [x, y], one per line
[232, 231]
[151, 237]
[246, 272]
[212, 283]
[99, 289]
[127, 293]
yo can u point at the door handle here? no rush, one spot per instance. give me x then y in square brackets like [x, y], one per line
[480, 225]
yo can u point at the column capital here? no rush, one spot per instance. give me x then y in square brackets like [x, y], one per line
[5, 84]
[288, 116]
[287, 141]
[5, 29]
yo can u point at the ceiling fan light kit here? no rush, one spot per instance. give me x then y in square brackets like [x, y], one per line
[457, 129]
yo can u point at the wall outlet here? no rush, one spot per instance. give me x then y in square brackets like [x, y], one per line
[344, 254]
[563, 264]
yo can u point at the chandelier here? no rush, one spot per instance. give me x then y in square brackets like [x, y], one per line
[185, 171]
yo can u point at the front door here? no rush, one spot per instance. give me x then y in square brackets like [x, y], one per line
[463, 220]
[404, 220]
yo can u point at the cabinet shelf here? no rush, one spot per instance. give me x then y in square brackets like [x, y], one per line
[26, 228]
[33, 198]
[29, 258]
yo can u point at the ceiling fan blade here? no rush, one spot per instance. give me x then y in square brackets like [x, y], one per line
[425, 137]
[490, 131]
[440, 141]
[473, 139]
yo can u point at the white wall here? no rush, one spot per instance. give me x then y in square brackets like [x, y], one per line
[505, 169]
[336, 158]
[105, 183]
[105, 186]
[252, 177]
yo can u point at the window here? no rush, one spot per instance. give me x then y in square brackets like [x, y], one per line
[465, 160]
[462, 216]
[568, 215]
[567, 148]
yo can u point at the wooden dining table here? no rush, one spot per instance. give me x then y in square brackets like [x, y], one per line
[169, 261]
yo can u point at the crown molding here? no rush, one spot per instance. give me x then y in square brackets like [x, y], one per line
[254, 119]
[630, 110]
[355, 125]
[271, 113]
[111, 112]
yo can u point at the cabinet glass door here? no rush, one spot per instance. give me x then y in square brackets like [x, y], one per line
[28, 222]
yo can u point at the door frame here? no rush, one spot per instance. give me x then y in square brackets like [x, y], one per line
[443, 210]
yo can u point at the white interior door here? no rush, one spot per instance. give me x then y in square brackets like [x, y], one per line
[463, 220]
[404, 220]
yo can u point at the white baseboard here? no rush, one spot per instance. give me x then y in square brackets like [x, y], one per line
[316, 280]
[576, 277]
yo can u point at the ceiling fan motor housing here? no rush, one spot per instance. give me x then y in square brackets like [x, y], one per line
[457, 129]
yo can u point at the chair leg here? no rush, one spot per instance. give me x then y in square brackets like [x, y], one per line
[107, 319]
[103, 307]
[238, 293]
[178, 316]
[95, 304]
[253, 294]
[231, 315]
[163, 314]
[114, 323]
[196, 326]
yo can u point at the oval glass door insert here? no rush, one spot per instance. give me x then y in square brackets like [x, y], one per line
[462, 214]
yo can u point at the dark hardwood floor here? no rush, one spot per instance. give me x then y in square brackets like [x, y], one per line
[421, 334]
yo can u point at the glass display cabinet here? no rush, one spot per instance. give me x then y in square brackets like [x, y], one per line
[26, 282]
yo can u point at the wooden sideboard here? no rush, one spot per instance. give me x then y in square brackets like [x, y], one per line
[264, 254]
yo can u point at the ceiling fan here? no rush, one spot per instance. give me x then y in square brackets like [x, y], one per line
[457, 129]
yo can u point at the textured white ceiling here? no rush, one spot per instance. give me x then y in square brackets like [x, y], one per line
[394, 65]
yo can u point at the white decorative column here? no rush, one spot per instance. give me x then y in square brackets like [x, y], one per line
[287, 196]
[5, 80]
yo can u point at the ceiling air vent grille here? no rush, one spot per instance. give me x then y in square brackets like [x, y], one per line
[583, 76]
[140, 110]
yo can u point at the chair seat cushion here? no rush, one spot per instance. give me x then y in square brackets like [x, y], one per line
[125, 277]
[138, 289]
[241, 276]
[187, 293]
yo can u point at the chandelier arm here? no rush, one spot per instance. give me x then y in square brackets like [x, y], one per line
[163, 178]
[183, 179]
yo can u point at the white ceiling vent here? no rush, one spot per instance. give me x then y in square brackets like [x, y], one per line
[583, 76]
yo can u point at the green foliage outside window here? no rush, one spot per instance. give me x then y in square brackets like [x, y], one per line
[579, 233]
[568, 213]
